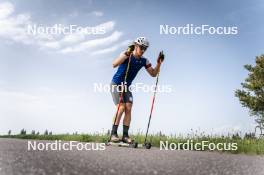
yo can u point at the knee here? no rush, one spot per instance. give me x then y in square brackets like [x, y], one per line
[122, 107]
[128, 107]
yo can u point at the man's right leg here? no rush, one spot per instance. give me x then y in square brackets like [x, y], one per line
[114, 136]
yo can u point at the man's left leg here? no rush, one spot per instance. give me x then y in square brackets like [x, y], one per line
[126, 122]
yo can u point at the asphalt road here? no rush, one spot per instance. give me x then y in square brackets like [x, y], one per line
[16, 159]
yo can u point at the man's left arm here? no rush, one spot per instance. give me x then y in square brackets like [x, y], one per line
[154, 71]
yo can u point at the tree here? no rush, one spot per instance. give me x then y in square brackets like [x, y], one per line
[9, 132]
[252, 93]
[46, 132]
[23, 132]
[33, 132]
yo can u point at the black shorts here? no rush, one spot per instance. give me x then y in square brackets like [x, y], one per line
[116, 92]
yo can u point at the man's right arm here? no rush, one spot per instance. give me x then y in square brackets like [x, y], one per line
[120, 59]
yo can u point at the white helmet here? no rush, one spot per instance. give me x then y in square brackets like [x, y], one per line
[142, 41]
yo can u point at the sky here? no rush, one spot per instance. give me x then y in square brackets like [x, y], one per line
[47, 81]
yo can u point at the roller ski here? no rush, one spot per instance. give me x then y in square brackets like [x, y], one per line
[124, 142]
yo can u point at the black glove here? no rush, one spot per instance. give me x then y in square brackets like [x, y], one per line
[160, 57]
[130, 49]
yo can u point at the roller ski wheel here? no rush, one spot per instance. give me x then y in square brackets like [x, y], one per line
[123, 144]
[133, 145]
[147, 145]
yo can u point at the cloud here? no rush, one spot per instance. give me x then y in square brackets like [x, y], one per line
[93, 43]
[74, 14]
[14, 27]
[98, 13]
[52, 45]
[81, 36]
[37, 107]
[6, 9]
[110, 49]
[40, 99]
[107, 25]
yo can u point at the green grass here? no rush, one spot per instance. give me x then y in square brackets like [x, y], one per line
[65, 137]
[253, 146]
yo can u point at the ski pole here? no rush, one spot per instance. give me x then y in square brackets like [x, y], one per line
[122, 92]
[160, 59]
[152, 106]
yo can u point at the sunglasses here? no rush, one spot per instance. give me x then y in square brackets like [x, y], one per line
[143, 48]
